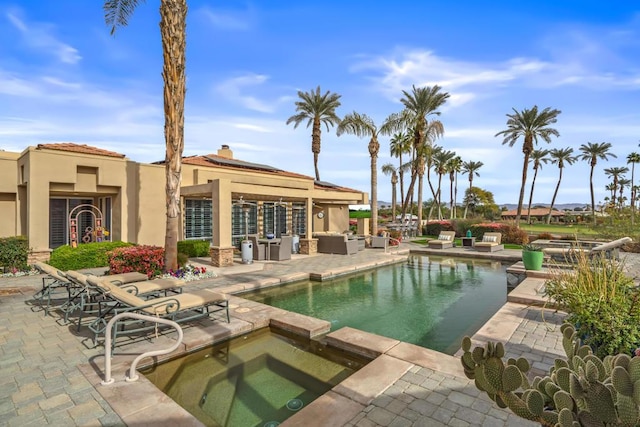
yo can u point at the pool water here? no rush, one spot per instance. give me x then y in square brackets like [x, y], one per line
[429, 301]
[258, 379]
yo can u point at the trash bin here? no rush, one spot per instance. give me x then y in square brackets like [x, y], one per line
[295, 244]
[246, 248]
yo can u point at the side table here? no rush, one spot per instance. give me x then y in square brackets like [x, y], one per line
[468, 241]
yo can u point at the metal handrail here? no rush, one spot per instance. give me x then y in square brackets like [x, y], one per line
[132, 371]
[391, 239]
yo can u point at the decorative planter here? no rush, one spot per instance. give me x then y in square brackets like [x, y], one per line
[532, 260]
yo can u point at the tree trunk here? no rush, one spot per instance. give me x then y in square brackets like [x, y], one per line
[173, 22]
[633, 194]
[419, 225]
[593, 200]
[315, 145]
[466, 205]
[374, 147]
[533, 183]
[525, 166]
[553, 201]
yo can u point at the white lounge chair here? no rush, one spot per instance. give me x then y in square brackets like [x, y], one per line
[491, 242]
[444, 240]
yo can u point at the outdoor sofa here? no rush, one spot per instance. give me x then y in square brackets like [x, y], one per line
[444, 240]
[336, 243]
[491, 242]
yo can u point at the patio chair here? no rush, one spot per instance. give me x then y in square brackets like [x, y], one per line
[282, 250]
[491, 242]
[444, 240]
[53, 284]
[258, 248]
[184, 307]
[610, 250]
[89, 296]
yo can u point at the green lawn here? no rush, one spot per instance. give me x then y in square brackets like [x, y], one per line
[580, 229]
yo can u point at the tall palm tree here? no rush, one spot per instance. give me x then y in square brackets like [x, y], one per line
[622, 184]
[615, 173]
[454, 166]
[531, 125]
[362, 125]
[470, 168]
[440, 161]
[419, 105]
[400, 144]
[632, 159]
[538, 157]
[390, 169]
[316, 109]
[591, 152]
[173, 24]
[560, 157]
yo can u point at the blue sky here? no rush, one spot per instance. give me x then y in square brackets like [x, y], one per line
[64, 78]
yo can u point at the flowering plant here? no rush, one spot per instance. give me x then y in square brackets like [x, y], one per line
[189, 273]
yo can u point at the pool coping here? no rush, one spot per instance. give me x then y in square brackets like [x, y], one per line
[141, 402]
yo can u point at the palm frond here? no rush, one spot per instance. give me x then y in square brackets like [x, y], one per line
[118, 12]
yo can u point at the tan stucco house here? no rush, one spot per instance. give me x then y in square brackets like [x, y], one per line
[55, 193]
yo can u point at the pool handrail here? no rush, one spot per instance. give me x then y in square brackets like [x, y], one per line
[132, 370]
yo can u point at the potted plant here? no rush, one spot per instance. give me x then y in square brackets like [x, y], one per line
[532, 257]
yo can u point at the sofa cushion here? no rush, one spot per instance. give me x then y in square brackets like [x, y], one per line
[445, 237]
[490, 239]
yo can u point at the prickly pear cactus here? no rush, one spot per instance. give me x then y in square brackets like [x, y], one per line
[579, 391]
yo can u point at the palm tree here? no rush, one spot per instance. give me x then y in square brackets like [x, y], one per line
[400, 144]
[538, 157]
[440, 161]
[615, 173]
[470, 168]
[316, 109]
[530, 124]
[622, 184]
[173, 24]
[362, 125]
[591, 152]
[419, 105]
[560, 157]
[454, 166]
[632, 159]
[389, 169]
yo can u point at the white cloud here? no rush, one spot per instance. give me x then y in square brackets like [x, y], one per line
[227, 20]
[40, 37]
[234, 89]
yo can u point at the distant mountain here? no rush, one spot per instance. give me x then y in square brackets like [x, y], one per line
[560, 207]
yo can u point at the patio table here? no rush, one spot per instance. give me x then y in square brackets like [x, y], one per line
[268, 242]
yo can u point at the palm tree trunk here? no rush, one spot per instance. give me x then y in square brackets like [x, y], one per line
[633, 194]
[455, 196]
[315, 145]
[374, 147]
[439, 195]
[394, 199]
[466, 205]
[593, 200]
[553, 200]
[401, 172]
[451, 197]
[419, 225]
[173, 23]
[525, 166]
[533, 184]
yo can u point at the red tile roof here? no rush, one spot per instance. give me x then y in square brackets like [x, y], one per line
[80, 148]
[209, 160]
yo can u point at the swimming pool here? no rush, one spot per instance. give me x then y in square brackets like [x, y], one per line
[258, 379]
[431, 301]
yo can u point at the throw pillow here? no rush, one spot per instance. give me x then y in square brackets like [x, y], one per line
[443, 237]
[490, 239]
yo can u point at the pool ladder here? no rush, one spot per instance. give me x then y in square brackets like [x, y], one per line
[133, 376]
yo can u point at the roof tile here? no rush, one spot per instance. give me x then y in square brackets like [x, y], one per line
[80, 148]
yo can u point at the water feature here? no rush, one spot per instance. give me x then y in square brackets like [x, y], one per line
[431, 301]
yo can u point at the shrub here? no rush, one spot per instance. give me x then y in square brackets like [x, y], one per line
[545, 236]
[194, 248]
[183, 259]
[85, 255]
[601, 301]
[14, 252]
[396, 237]
[510, 233]
[144, 259]
[462, 225]
[433, 228]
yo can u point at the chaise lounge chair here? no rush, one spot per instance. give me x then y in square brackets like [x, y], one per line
[491, 242]
[88, 295]
[609, 250]
[444, 240]
[183, 307]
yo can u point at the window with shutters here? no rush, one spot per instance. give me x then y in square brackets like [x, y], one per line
[59, 209]
[198, 222]
[238, 228]
[299, 219]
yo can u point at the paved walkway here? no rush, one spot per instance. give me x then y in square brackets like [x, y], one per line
[41, 384]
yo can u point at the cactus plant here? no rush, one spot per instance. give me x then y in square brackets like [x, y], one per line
[582, 390]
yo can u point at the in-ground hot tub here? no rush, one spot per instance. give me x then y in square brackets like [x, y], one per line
[257, 379]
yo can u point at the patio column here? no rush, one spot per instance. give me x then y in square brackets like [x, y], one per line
[309, 245]
[221, 250]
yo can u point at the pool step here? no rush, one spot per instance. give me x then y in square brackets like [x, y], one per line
[217, 404]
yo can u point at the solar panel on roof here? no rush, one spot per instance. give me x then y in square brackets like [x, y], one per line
[326, 184]
[242, 164]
